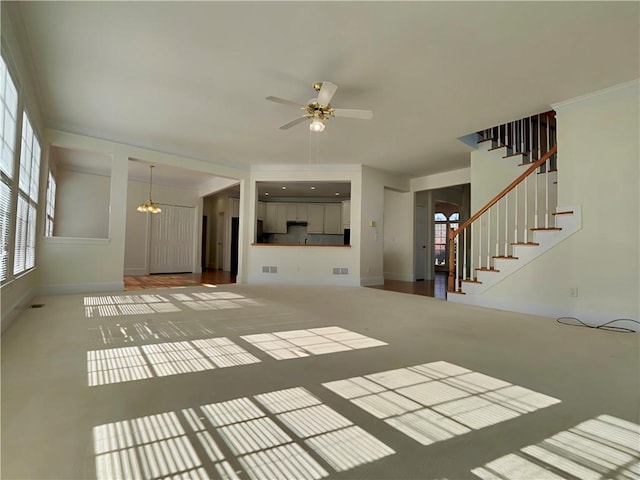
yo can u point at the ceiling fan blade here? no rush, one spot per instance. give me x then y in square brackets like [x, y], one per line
[351, 113]
[293, 123]
[285, 101]
[327, 91]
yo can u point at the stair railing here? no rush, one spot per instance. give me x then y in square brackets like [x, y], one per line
[532, 136]
[507, 220]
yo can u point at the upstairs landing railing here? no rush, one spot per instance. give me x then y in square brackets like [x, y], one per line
[507, 220]
[531, 136]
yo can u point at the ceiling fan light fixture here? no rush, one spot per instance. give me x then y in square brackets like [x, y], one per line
[316, 125]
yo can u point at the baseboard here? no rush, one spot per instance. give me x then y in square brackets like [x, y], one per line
[135, 271]
[70, 288]
[9, 317]
[589, 317]
[370, 281]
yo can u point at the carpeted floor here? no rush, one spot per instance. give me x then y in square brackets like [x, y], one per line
[248, 382]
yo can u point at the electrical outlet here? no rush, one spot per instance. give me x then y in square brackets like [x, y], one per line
[573, 292]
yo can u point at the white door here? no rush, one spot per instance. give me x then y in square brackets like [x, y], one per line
[172, 240]
[421, 244]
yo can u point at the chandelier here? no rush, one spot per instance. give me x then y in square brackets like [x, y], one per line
[149, 206]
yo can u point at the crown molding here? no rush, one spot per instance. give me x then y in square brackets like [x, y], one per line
[627, 88]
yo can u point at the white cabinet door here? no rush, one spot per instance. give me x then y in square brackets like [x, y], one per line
[291, 212]
[301, 212]
[172, 240]
[261, 211]
[234, 206]
[275, 218]
[332, 223]
[315, 218]
[346, 214]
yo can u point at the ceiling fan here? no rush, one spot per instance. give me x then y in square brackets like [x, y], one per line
[319, 109]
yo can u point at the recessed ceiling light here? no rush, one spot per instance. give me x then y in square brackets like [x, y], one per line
[266, 193]
[284, 188]
[337, 193]
[312, 188]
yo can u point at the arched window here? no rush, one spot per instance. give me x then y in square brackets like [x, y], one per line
[441, 235]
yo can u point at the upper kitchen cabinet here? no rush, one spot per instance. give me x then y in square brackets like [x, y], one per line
[332, 223]
[346, 214]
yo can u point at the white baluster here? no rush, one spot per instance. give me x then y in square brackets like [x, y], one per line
[489, 239]
[515, 229]
[464, 255]
[497, 228]
[506, 223]
[480, 243]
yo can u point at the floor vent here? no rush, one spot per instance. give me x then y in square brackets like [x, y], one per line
[36, 305]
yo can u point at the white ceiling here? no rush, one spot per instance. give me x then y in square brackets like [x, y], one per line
[191, 77]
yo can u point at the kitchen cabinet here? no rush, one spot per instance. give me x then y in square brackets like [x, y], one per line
[234, 206]
[332, 223]
[315, 218]
[275, 220]
[296, 212]
[346, 214]
[261, 211]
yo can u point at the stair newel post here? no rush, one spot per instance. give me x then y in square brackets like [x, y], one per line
[457, 254]
[451, 261]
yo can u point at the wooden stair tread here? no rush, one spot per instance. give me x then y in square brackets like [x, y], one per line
[548, 171]
[567, 212]
[529, 244]
[537, 229]
[497, 148]
[516, 154]
[459, 292]
[485, 269]
[508, 257]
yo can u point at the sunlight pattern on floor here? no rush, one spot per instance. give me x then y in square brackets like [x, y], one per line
[143, 331]
[236, 436]
[314, 341]
[117, 365]
[439, 400]
[150, 447]
[122, 305]
[603, 447]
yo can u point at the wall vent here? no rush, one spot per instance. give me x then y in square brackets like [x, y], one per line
[265, 269]
[273, 269]
[340, 271]
[269, 269]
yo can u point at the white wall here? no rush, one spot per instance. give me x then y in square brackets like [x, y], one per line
[598, 167]
[372, 247]
[303, 264]
[441, 180]
[82, 205]
[76, 265]
[398, 248]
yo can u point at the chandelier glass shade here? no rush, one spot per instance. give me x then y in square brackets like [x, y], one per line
[149, 206]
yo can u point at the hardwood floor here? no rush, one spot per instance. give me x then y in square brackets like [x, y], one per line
[436, 288]
[208, 277]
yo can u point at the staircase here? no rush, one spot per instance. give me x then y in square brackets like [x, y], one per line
[522, 221]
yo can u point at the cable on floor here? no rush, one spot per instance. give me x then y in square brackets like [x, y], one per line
[604, 326]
